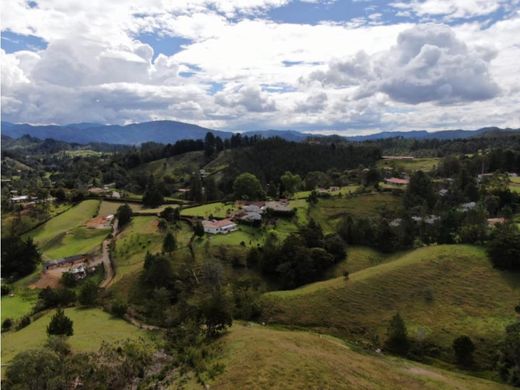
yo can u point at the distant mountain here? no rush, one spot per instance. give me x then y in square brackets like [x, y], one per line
[158, 131]
[171, 131]
[443, 135]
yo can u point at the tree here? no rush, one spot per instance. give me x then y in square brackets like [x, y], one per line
[88, 294]
[397, 341]
[198, 229]
[124, 215]
[291, 183]
[19, 257]
[60, 324]
[509, 356]
[170, 214]
[169, 243]
[35, 369]
[504, 247]
[211, 189]
[216, 311]
[7, 324]
[209, 144]
[419, 191]
[196, 191]
[119, 309]
[463, 348]
[247, 186]
[152, 197]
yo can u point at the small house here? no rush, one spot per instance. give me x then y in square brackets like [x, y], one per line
[223, 226]
[397, 181]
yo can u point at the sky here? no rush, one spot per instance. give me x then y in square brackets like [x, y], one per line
[324, 66]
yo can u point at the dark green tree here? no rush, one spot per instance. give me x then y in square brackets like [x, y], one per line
[290, 183]
[504, 247]
[19, 257]
[196, 191]
[198, 229]
[509, 356]
[419, 191]
[60, 324]
[124, 215]
[169, 243]
[397, 336]
[463, 348]
[88, 294]
[247, 186]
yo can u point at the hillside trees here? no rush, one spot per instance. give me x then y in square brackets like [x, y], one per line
[504, 247]
[19, 257]
[152, 196]
[169, 243]
[290, 183]
[397, 336]
[124, 215]
[463, 348]
[247, 186]
[60, 324]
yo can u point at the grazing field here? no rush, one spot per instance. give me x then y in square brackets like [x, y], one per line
[217, 210]
[140, 236]
[76, 241]
[515, 184]
[345, 190]
[257, 357]
[182, 165]
[29, 220]
[91, 328]
[329, 211]
[417, 164]
[17, 306]
[359, 258]
[110, 207]
[62, 223]
[442, 292]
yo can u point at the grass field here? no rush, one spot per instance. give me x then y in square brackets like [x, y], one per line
[182, 165]
[17, 306]
[91, 328]
[140, 236]
[515, 184]
[70, 219]
[109, 207]
[345, 190]
[257, 357]
[417, 164]
[329, 211]
[217, 210]
[76, 241]
[441, 291]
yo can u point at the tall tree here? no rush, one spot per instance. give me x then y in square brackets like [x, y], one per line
[247, 186]
[169, 243]
[397, 341]
[124, 215]
[60, 324]
[19, 257]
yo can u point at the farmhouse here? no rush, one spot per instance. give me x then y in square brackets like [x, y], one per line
[20, 199]
[96, 191]
[397, 181]
[65, 261]
[223, 226]
[495, 221]
[279, 207]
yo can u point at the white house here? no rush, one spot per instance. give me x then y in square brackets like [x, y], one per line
[223, 226]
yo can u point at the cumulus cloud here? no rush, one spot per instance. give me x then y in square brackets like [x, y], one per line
[250, 97]
[451, 9]
[428, 64]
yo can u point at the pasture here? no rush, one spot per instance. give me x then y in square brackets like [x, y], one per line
[257, 357]
[217, 210]
[91, 328]
[441, 292]
[417, 164]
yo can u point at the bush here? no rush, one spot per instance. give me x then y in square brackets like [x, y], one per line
[88, 294]
[397, 341]
[504, 247]
[119, 309]
[7, 324]
[24, 321]
[463, 348]
[60, 324]
[6, 289]
[68, 280]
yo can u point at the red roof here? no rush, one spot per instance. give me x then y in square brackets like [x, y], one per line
[395, 180]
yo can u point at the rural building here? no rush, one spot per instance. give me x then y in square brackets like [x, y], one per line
[20, 198]
[495, 221]
[96, 191]
[398, 157]
[64, 261]
[223, 226]
[78, 272]
[397, 181]
[116, 195]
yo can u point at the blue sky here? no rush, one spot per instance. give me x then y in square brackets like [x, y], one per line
[353, 66]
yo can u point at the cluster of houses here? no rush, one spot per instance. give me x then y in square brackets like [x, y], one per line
[249, 212]
[78, 266]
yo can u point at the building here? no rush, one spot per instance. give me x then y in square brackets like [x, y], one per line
[397, 181]
[279, 207]
[96, 191]
[116, 195]
[495, 221]
[222, 226]
[20, 199]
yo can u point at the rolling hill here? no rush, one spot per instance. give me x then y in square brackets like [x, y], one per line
[442, 292]
[256, 357]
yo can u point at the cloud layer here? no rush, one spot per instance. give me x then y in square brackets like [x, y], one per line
[237, 69]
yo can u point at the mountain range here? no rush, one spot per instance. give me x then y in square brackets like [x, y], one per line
[171, 131]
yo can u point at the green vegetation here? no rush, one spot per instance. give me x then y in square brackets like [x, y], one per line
[91, 328]
[182, 165]
[17, 306]
[217, 210]
[417, 164]
[258, 357]
[441, 292]
[75, 241]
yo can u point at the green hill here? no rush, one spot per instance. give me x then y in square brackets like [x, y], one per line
[256, 357]
[442, 292]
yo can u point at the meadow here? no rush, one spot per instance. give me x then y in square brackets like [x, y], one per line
[417, 164]
[259, 357]
[110, 208]
[91, 328]
[441, 291]
[217, 210]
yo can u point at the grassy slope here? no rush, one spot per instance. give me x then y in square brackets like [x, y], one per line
[258, 357]
[17, 306]
[65, 222]
[417, 164]
[217, 210]
[181, 165]
[329, 211]
[110, 207]
[467, 295]
[91, 328]
[77, 240]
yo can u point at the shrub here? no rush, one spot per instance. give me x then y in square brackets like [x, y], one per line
[7, 324]
[463, 348]
[60, 324]
[24, 321]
